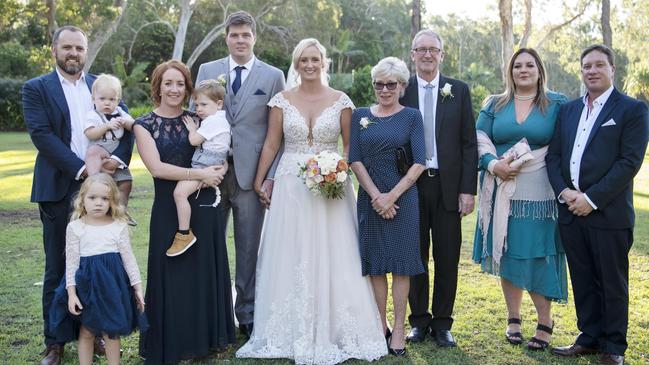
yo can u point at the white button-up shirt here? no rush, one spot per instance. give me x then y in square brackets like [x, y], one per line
[421, 83]
[585, 127]
[244, 73]
[79, 100]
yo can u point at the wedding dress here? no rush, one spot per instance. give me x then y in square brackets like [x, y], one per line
[312, 303]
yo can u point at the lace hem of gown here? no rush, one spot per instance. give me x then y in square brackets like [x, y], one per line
[301, 341]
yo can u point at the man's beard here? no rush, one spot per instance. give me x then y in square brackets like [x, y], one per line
[70, 69]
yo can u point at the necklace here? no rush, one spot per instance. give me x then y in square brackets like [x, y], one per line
[388, 115]
[524, 97]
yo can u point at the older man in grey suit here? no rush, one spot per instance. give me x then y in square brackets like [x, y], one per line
[250, 85]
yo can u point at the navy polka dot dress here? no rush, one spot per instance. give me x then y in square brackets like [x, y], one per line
[387, 246]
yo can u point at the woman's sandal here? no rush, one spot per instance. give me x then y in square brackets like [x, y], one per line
[515, 338]
[542, 345]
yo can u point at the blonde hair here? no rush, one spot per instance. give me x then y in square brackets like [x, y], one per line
[541, 100]
[107, 82]
[293, 78]
[210, 88]
[115, 210]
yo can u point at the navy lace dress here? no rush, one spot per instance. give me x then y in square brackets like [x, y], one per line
[188, 297]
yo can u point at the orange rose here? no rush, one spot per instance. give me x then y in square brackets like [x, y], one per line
[331, 177]
[342, 166]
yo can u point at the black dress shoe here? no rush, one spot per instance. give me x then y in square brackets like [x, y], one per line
[246, 329]
[573, 350]
[610, 359]
[444, 338]
[417, 334]
[397, 352]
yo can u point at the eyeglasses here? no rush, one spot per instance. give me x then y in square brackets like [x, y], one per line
[380, 85]
[422, 50]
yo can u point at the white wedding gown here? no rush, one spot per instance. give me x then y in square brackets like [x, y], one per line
[312, 303]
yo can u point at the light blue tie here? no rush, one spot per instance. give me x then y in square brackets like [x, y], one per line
[429, 121]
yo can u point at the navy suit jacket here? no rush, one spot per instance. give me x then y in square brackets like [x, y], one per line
[613, 156]
[47, 118]
[457, 149]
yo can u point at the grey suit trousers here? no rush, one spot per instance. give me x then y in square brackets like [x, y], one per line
[246, 208]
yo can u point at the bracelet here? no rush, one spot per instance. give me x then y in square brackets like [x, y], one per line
[188, 174]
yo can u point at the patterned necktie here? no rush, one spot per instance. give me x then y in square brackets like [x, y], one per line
[429, 121]
[236, 84]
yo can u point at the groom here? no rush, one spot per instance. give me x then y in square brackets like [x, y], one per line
[251, 83]
[598, 146]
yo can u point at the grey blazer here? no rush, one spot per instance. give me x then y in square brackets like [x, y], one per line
[247, 113]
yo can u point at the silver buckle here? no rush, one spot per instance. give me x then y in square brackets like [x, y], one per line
[430, 173]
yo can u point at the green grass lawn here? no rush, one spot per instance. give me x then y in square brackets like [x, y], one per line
[480, 314]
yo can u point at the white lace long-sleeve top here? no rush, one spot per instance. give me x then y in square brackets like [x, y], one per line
[83, 240]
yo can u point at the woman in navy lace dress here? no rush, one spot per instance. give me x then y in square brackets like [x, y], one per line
[189, 302]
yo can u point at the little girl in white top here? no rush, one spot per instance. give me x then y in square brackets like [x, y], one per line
[101, 292]
[212, 139]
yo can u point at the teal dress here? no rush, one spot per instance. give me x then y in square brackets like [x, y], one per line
[534, 259]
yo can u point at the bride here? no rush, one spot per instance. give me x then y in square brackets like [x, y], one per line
[312, 304]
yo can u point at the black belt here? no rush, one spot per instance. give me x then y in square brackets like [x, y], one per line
[230, 160]
[431, 172]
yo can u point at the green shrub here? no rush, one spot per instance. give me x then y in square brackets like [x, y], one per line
[361, 91]
[138, 110]
[342, 82]
[14, 60]
[11, 111]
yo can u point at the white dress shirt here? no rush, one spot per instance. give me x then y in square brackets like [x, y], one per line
[586, 123]
[431, 163]
[244, 73]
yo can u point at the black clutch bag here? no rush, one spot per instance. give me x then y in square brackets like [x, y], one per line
[404, 158]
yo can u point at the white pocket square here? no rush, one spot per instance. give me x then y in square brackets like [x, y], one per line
[610, 122]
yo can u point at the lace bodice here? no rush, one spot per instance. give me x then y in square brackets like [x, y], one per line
[326, 131]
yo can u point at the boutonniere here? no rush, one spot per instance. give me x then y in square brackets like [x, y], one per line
[365, 122]
[223, 81]
[446, 91]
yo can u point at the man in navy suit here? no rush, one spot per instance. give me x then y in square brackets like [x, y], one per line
[597, 148]
[54, 108]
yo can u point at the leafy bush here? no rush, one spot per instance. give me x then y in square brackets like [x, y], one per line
[361, 91]
[11, 111]
[14, 60]
[138, 110]
[342, 82]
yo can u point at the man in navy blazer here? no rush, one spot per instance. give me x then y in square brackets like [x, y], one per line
[597, 148]
[54, 108]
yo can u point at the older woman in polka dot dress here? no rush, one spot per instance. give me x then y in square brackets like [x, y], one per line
[388, 210]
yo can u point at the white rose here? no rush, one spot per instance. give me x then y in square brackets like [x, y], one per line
[318, 178]
[341, 177]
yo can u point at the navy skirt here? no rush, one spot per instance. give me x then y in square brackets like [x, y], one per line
[105, 292]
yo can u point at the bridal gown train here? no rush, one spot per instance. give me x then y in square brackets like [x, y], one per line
[312, 303]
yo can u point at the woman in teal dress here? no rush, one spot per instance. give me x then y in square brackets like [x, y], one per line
[528, 254]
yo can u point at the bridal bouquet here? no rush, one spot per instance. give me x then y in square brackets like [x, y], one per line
[325, 174]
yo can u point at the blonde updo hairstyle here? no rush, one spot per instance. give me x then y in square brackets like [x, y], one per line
[293, 78]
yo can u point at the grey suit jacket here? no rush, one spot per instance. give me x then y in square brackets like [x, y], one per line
[247, 113]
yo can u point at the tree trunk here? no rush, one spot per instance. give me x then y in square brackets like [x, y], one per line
[186, 11]
[51, 17]
[507, 34]
[102, 34]
[528, 25]
[415, 25]
[607, 34]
